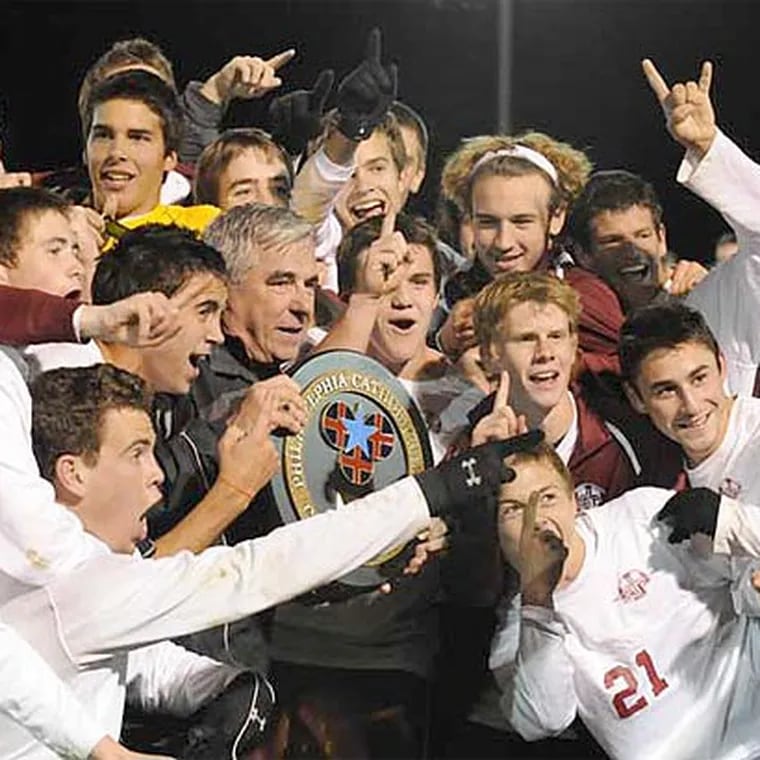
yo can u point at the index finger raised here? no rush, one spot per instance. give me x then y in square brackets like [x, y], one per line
[656, 82]
[501, 399]
[530, 513]
[705, 76]
[279, 60]
[389, 224]
[373, 46]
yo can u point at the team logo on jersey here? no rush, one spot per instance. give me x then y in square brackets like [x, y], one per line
[632, 586]
[589, 495]
[730, 488]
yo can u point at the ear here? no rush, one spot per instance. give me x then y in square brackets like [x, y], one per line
[722, 367]
[489, 359]
[170, 161]
[662, 235]
[416, 178]
[70, 477]
[634, 398]
[557, 221]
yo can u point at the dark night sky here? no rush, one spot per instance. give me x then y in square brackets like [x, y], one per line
[576, 69]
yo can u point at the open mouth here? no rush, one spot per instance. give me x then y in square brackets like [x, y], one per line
[368, 209]
[115, 180]
[639, 272]
[74, 295]
[402, 325]
[694, 424]
[544, 378]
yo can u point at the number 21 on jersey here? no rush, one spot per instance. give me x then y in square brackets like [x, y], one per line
[627, 701]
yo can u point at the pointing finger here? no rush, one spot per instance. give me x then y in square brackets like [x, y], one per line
[389, 224]
[373, 46]
[502, 393]
[279, 60]
[656, 82]
[530, 515]
[705, 76]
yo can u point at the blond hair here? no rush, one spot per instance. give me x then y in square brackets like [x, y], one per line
[460, 171]
[545, 453]
[499, 296]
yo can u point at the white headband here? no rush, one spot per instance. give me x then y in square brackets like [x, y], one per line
[520, 151]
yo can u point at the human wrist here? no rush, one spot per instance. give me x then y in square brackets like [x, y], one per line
[232, 488]
[211, 90]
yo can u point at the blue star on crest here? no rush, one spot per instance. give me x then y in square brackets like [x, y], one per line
[358, 433]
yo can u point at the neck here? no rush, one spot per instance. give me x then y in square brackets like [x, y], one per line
[555, 422]
[421, 366]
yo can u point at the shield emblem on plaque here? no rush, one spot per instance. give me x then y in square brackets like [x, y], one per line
[364, 431]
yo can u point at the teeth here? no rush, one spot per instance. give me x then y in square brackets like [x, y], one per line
[638, 269]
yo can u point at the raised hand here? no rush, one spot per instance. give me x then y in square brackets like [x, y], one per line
[542, 557]
[14, 179]
[458, 331]
[386, 261]
[366, 93]
[246, 77]
[296, 117]
[685, 277]
[501, 422]
[689, 113]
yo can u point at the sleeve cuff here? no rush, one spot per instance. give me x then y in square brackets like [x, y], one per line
[329, 170]
[692, 162]
[76, 322]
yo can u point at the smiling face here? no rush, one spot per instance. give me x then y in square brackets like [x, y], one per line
[46, 257]
[254, 176]
[556, 505]
[512, 222]
[404, 318]
[376, 185]
[636, 226]
[271, 309]
[122, 483]
[126, 156]
[536, 345]
[682, 391]
[172, 366]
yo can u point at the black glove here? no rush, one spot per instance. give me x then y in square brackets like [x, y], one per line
[296, 117]
[690, 512]
[466, 487]
[237, 719]
[366, 93]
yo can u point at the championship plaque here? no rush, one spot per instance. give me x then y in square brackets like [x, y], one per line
[363, 432]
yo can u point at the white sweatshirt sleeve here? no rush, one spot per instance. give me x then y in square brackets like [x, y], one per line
[737, 531]
[165, 677]
[33, 696]
[117, 602]
[729, 297]
[541, 700]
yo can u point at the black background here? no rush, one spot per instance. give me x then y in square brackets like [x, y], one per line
[575, 65]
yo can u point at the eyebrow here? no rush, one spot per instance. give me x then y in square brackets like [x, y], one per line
[138, 442]
[667, 383]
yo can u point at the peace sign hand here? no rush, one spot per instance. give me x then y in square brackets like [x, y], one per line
[689, 113]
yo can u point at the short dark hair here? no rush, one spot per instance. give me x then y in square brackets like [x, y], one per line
[153, 257]
[655, 327]
[361, 237]
[69, 405]
[613, 190]
[146, 88]
[406, 116]
[18, 205]
[217, 155]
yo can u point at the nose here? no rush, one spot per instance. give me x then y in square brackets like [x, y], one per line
[401, 297]
[72, 264]
[155, 473]
[505, 238]
[302, 301]
[544, 349]
[215, 336]
[689, 401]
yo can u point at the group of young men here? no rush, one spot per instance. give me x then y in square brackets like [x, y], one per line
[590, 516]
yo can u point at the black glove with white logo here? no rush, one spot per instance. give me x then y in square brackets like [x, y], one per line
[690, 512]
[366, 93]
[297, 116]
[464, 490]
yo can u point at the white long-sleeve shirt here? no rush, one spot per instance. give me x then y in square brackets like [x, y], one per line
[729, 297]
[654, 647]
[33, 696]
[84, 622]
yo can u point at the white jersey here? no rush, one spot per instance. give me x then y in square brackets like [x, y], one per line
[647, 645]
[729, 297]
